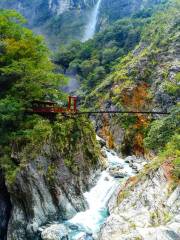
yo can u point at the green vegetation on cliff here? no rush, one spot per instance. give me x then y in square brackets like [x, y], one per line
[134, 65]
[27, 74]
[94, 59]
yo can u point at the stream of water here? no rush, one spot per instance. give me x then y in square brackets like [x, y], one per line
[86, 225]
[91, 26]
[98, 197]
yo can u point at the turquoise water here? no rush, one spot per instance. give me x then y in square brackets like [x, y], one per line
[79, 229]
[91, 220]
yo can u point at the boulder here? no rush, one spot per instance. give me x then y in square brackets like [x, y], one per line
[116, 168]
[55, 232]
[86, 236]
[117, 173]
[134, 167]
[73, 227]
[103, 152]
[101, 141]
[130, 159]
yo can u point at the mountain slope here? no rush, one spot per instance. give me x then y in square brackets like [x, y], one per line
[114, 10]
[53, 18]
[143, 79]
[146, 79]
[132, 65]
[62, 21]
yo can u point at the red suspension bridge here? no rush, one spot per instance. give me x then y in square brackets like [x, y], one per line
[49, 107]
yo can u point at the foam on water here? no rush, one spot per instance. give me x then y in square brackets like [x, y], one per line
[90, 221]
[97, 198]
[114, 160]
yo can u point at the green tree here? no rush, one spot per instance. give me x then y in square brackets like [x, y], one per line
[26, 74]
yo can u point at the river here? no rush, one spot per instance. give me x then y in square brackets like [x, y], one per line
[86, 225]
[98, 197]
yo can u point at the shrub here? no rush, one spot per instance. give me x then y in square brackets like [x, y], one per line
[162, 130]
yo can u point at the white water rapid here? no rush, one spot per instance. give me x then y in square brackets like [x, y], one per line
[98, 197]
[86, 225]
[91, 26]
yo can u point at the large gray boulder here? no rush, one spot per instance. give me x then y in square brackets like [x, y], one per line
[55, 232]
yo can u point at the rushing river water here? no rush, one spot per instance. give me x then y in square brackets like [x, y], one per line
[87, 224]
[98, 197]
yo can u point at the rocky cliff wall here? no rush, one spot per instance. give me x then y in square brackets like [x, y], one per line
[53, 18]
[117, 9]
[147, 212]
[39, 10]
[50, 185]
[60, 21]
[147, 79]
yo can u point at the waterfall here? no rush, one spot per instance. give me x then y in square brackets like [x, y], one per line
[91, 25]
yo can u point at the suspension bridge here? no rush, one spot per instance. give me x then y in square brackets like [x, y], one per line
[51, 108]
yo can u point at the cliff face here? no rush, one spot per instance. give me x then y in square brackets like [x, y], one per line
[53, 18]
[153, 86]
[149, 211]
[145, 80]
[36, 11]
[117, 9]
[50, 186]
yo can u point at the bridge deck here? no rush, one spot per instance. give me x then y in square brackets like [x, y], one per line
[116, 112]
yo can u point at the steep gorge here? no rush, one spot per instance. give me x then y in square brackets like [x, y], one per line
[145, 79]
[50, 186]
[49, 163]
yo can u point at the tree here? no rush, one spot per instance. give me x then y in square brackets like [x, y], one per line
[26, 74]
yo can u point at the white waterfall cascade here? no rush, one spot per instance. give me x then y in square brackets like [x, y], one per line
[91, 26]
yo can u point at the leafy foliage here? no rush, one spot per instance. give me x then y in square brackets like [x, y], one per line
[162, 130]
[26, 74]
[142, 79]
[94, 59]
